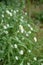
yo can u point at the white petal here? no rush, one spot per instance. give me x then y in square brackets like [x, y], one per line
[35, 39]
[35, 58]
[5, 27]
[21, 28]
[21, 52]
[16, 57]
[29, 51]
[28, 63]
[15, 45]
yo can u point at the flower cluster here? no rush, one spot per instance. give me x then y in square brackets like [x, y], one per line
[17, 39]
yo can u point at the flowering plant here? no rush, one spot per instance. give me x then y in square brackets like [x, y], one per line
[18, 40]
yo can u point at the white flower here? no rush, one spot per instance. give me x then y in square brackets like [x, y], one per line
[21, 52]
[5, 27]
[8, 12]
[29, 25]
[6, 32]
[35, 58]
[21, 20]
[29, 32]
[16, 57]
[22, 17]
[11, 10]
[35, 39]
[12, 46]
[28, 63]
[21, 28]
[2, 15]
[22, 38]
[31, 28]
[18, 31]
[25, 13]
[17, 10]
[29, 51]
[15, 45]
[14, 12]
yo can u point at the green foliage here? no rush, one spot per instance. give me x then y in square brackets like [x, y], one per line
[18, 40]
